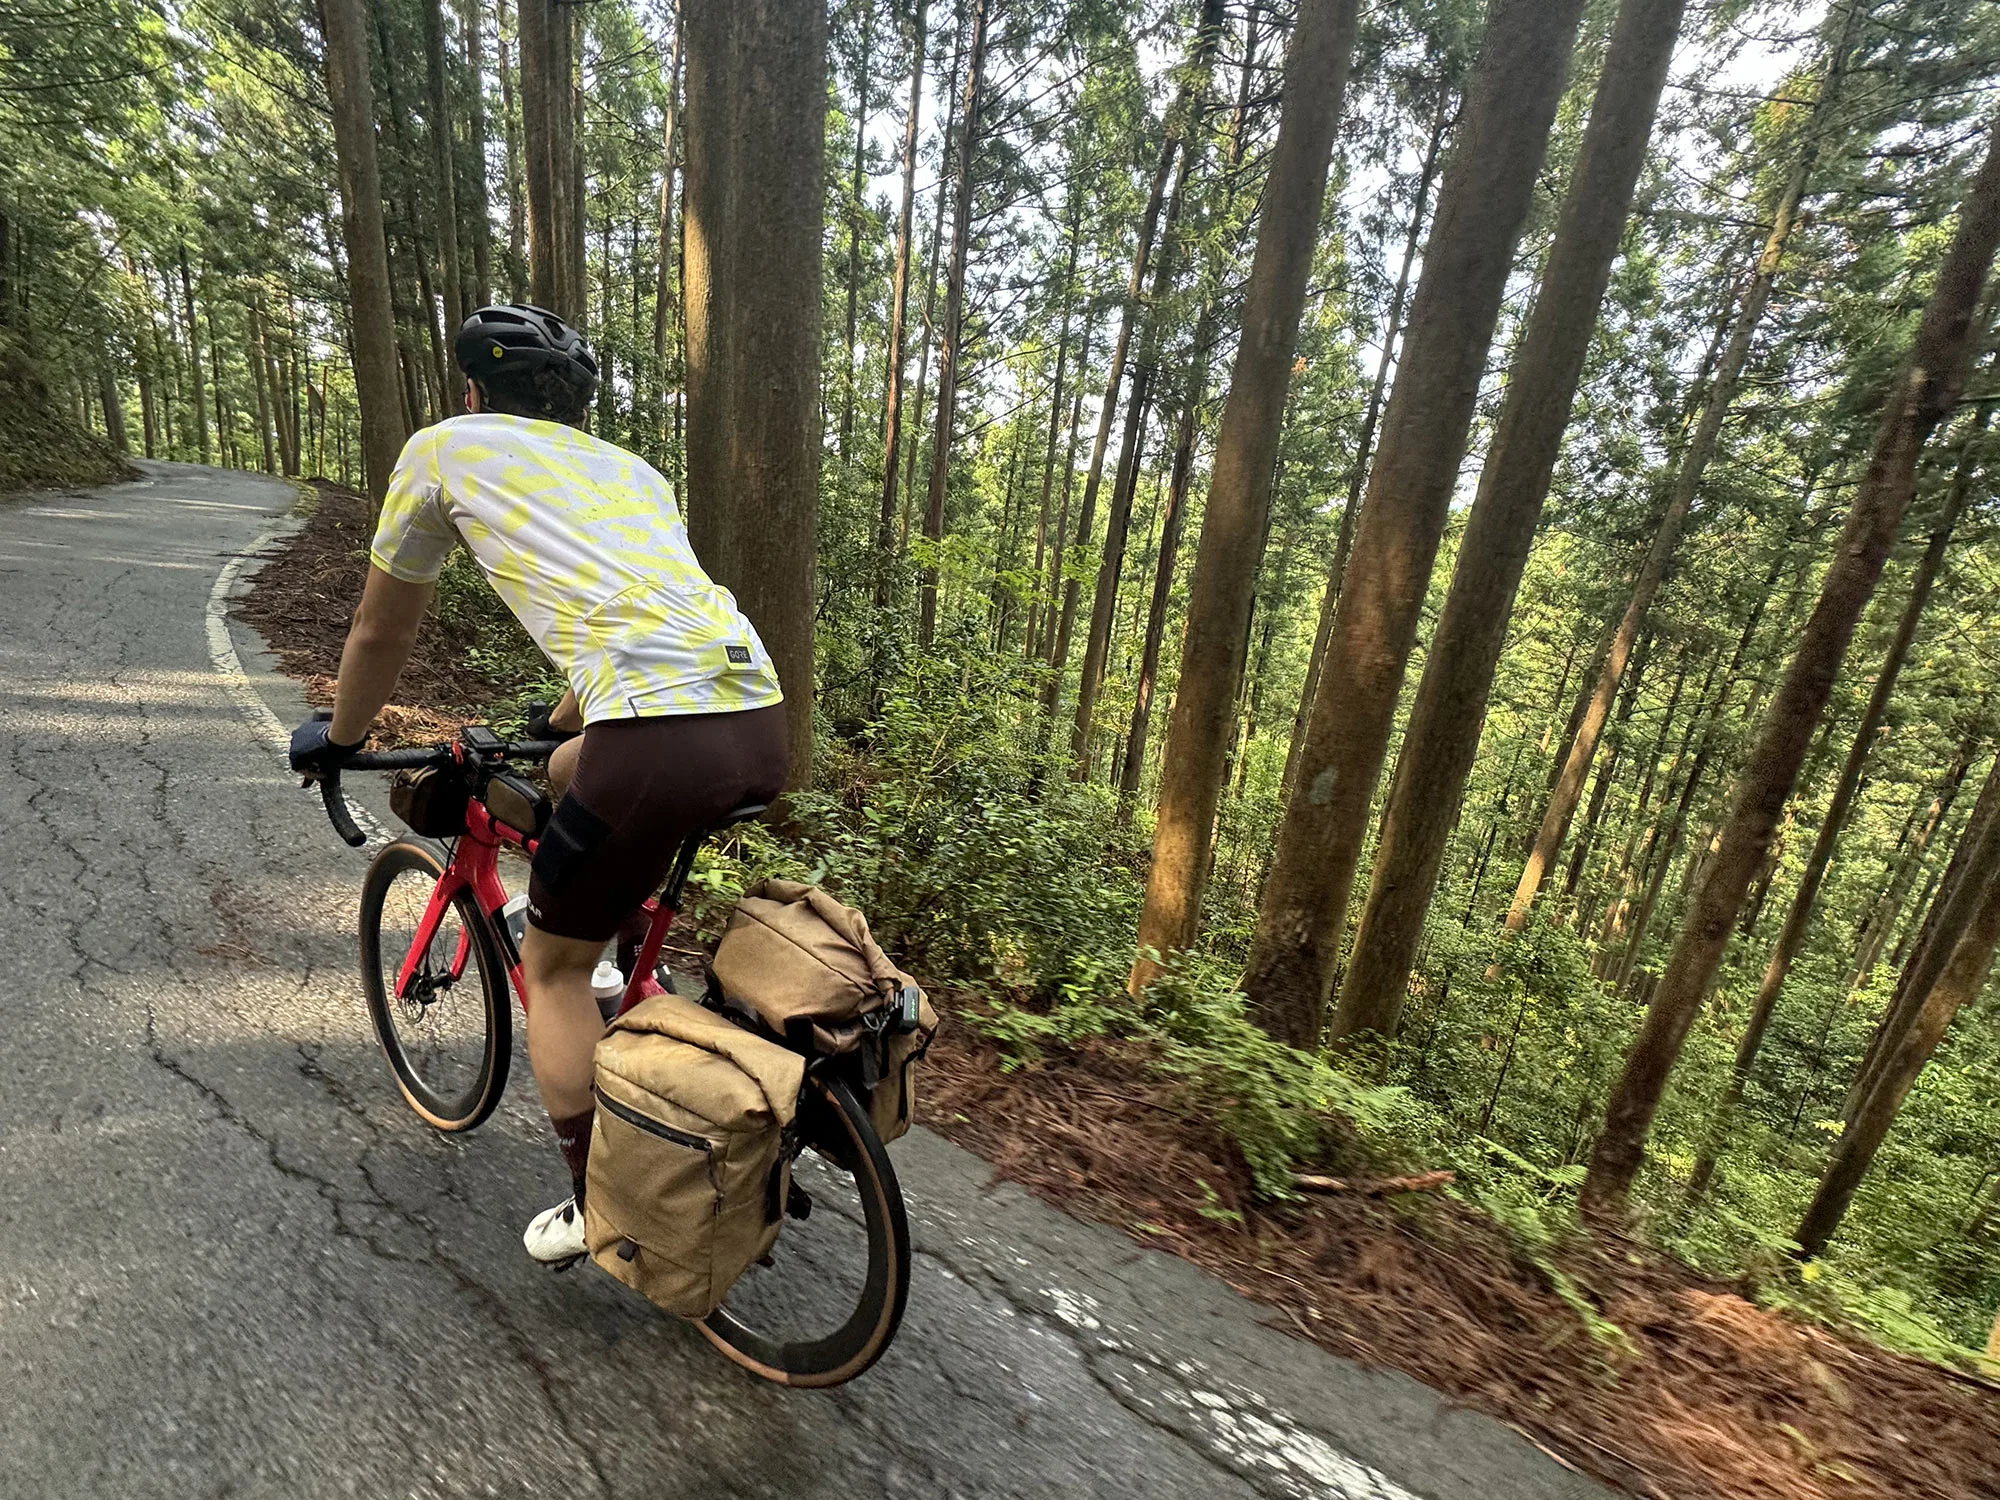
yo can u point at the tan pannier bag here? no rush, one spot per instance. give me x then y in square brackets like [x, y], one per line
[807, 967]
[687, 1178]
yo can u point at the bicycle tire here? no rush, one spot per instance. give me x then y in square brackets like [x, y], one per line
[837, 1127]
[464, 1108]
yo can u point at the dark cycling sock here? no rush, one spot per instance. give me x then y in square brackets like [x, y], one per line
[631, 937]
[573, 1137]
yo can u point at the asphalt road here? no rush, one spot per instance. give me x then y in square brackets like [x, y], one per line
[233, 1264]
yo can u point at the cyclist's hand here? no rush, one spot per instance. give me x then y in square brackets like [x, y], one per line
[314, 751]
[538, 726]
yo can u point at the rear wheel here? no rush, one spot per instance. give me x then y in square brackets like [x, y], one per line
[832, 1298]
[448, 1037]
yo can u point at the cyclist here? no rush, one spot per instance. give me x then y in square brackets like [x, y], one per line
[674, 695]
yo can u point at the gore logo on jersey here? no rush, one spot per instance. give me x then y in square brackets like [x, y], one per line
[738, 655]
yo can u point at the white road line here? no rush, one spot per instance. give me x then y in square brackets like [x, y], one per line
[264, 725]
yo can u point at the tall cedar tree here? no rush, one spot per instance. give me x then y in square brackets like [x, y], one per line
[1684, 482]
[1956, 986]
[1187, 132]
[1799, 917]
[1443, 733]
[756, 144]
[1510, 105]
[899, 305]
[1239, 492]
[1924, 393]
[372, 324]
[949, 347]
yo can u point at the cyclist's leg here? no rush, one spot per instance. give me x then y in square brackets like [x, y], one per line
[562, 766]
[563, 1028]
[640, 787]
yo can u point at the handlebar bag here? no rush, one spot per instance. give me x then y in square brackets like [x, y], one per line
[431, 800]
[688, 1172]
[806, 967]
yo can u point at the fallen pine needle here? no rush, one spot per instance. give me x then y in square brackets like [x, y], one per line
[1372, 1187]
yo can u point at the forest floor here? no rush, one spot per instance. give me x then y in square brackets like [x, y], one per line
[1614, 1358]
[41, 448]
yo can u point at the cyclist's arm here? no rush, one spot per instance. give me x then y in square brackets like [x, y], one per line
[567, 716]
[378, 643]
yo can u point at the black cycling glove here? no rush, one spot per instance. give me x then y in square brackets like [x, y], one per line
[538, 726]
[314, 750]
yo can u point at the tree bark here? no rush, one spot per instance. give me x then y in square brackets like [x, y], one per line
[472, 21]
[756, 110]
[1114, 380]
[445, 209]
[372, 329]
[1442, 737]
[1183, 134]
[1945, 922]
[1239, 494]
[954, 318]
[899, 304]
[856, 215]
[1488, 187]
[518, 284]
[1364, 443]
[663, 250]
[1904, 1060]
[1686, 482]
[547, 141]
[1034, 624]
[1797, 919]
[1924, 393]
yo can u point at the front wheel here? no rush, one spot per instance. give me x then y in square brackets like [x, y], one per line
[449, 1037]
[831, 1297]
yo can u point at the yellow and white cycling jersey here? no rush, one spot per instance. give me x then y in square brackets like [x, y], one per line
[585, 544]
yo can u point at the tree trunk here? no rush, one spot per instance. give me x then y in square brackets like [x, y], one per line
[1240, 484]
[544, 32]
[899, 304]
[372, 326]
[663, 250]
[519, 286]
[1925, 392]
[1842, 803]
[471, 20]
[1488, 187]
[1904, 1060]
[954, 317]
[1034, 624]
[756, 148]
[199, 399]
[1686, 482]
[1909, 860]
[1114, 380]
[114, 411]
[1945, 922]
[259, 385]
[856, 215]
[445, 209]
[1183, 135]
[1442, 737]
[1364, 444]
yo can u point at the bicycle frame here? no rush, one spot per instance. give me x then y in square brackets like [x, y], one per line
[475, 866]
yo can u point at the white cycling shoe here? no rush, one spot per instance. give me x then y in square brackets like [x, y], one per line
[555, 1236]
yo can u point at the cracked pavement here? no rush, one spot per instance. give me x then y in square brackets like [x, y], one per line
[232, 1263]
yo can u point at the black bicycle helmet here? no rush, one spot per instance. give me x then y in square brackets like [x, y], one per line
[504, 345]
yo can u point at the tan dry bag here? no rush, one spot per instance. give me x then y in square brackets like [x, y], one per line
[806, 967]
[688, 1175]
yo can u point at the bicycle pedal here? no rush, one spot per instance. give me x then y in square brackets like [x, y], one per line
[798, 1202]
[564, 1265]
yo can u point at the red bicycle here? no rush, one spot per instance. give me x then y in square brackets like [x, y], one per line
[438, 956]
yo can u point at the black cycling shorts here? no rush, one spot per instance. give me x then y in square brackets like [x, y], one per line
[642, 788]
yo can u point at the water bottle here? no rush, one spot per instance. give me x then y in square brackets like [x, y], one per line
[607, 986]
